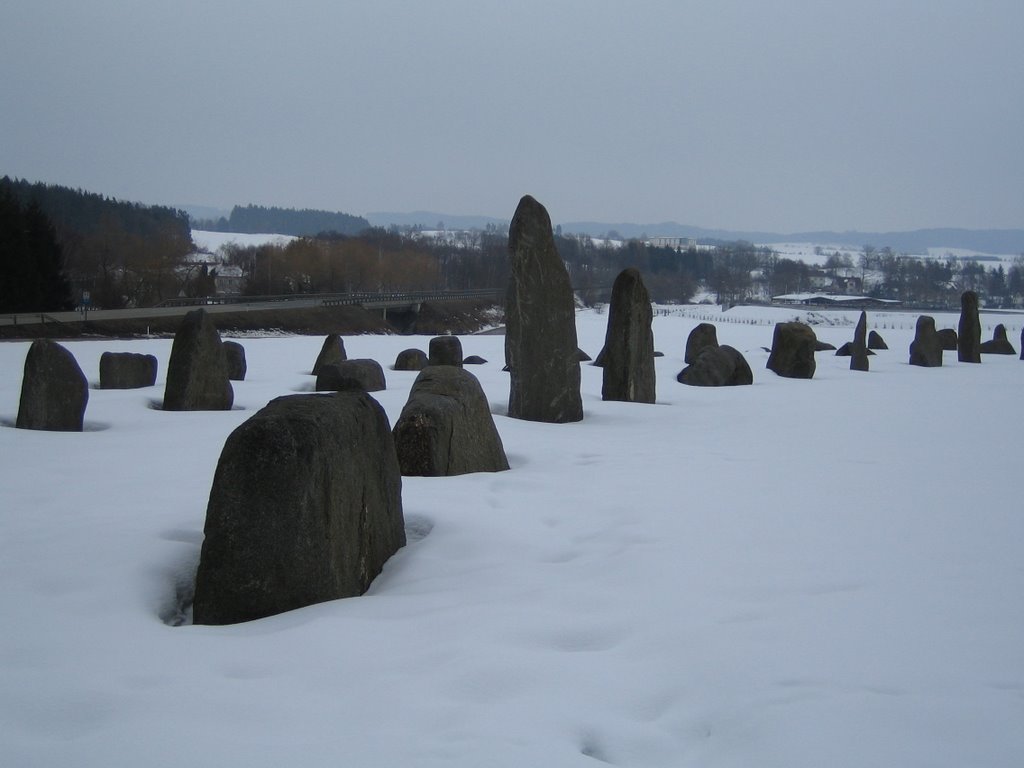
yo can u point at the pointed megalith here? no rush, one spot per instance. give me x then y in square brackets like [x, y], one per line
[859, 348]
[332, 351]
[540, 323]
[629, 342]
[792, 354]
[306, 506]
[703, 335]
[999, 344]
[875, 341]
[197, 373]
[968, 348]
[54, 391]
[926, 348]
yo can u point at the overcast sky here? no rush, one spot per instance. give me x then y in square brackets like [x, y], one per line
[783, 115]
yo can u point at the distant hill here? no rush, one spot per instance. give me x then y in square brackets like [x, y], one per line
[430, 220]
[998, 241]
[257, 219]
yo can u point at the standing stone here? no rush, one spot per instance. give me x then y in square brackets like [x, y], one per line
[411, 360]
[474, 360]
[1022, 343]
[333, 351]
[127, 370]
[999, 344]
[306, 506]
[446, 427]
[704, 335]
[540, 323]
[197, 374]
[54, 391]
[236, 360]
[792, 353]
[926, 348]
[969, 332]
[718, 366]
[445, 350]
[360, 374]
[948, 339]
[629, 342]
[859, 350]
[875, 341]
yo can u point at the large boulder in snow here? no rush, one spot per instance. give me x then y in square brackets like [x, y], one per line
[332, 351]
[446, 426]
[926, 348]
[540, 323]
[703, 335]
[127, 370]
[237, 366]
[718, 366]
[306, 506]
[792, 353]
[359, 374]
[875, 341]
[629, 342]
[411, 360]
[445, 350]
[197, 373]
[54, 391]
[999, 344]
[948, 339]
[968, 349]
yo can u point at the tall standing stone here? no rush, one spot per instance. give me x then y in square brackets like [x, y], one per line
[197, 373]
[859, 349]
[306, 506]
[926, 348]
[629, 342]
[540, 323]
[792, 354]
[332, 351]
[968, 348]
[703, 335]
[875, 341]
[54, 391]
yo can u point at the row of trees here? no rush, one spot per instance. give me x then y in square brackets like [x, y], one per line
[31, 260]
[258, 219]
[121, 254]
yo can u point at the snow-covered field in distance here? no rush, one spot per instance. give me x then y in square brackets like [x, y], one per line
[214, 241]
[794, 573]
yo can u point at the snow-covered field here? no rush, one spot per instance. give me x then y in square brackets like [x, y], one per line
[796, 573]
[214, 241]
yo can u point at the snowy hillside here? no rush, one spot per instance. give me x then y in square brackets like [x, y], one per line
[795, 573]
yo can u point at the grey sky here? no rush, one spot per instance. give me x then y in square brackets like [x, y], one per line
[783, 115]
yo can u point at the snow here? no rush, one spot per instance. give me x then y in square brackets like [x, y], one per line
[214, 241]
[795, 573]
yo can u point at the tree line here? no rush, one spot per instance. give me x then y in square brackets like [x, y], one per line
[257, 219]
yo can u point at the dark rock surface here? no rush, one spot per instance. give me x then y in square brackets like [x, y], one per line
[948, 339]
[875, 341]
[926, 348]
[703, 335]
[540, 323]
[306, 506]
[968, 349]
[629, 342]
[999, 344]
[411, 360]
[823, 346]
[332, 351]
[859, 347]
[473, 360]
[792, 353]
[446, 427]
[54, 391]
[236, 360]
[445, 350]
[197, 374]
[360, 374]
[719, 366]
[127, 370]
[582, 357]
